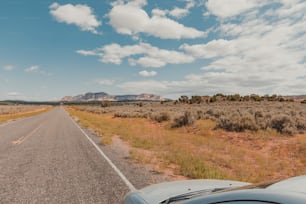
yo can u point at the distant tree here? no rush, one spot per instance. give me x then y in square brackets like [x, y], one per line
[255, 97]
[196, 99]
[246, 98]
[235, 97]
[281, 99]
[213, 99]
[184, 99]
[220, 94]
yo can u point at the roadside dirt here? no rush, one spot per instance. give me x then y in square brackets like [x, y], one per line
[155, 168]
[286, 149]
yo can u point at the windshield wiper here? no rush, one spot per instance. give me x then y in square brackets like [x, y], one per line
[190, 195]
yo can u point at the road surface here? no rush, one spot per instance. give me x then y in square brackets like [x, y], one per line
[49, 159]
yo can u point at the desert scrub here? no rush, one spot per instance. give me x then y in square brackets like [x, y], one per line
[283, 124]
[161, 117]
[14, 112]
[230, 116]
[237, 122]
[200, 151]
[193, 166]
[185, 120]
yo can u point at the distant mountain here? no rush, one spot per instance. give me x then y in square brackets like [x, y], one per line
[296, 97]
[101, 96]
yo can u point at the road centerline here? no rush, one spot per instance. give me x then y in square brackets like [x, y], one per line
[25, 137]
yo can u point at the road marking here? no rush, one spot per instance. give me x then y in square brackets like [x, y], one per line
[23, 138]
[125, 180]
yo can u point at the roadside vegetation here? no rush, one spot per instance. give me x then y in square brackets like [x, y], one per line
[242, 140]
[12, 112]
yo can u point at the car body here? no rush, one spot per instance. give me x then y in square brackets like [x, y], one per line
[292, 190]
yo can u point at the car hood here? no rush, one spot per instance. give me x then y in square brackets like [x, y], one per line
[295, 184]
[160, 192]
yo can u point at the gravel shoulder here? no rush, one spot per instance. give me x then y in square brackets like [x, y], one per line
[139, 175]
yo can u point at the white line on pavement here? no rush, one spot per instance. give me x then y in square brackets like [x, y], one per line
[125, 180]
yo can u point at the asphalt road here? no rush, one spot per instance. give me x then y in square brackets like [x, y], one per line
[49, 159]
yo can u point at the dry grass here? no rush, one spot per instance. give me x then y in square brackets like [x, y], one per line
[8, 113]
[200, 150]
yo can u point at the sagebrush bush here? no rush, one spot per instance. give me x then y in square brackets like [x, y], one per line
[237, 122]
[300, 124]
[184, 120]
[161, 117]
[283, 124]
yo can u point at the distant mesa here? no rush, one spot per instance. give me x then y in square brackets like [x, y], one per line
[102, 96]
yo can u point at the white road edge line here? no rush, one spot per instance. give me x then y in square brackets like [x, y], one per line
[125, 180]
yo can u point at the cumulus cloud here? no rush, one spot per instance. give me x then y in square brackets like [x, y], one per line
[176, 12]
[230, 8]
[255, 47]
[256, 50]
[136, 20]
[142, 54]
[146, 73]
[214, 48]
[179, 12]
[79, 15]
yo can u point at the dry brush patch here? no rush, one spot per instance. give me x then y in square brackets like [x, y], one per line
[199, 150]
[8, 112]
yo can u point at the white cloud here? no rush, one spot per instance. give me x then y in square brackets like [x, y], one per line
[79, 15]
[142, 54]
[38, 70]
[14, 94]
[106, 82]
[33, 69]
[86, 52]
[176, 11]
[136, 20]
[146, 73]
[292, 9]
[179, 12]
[8, 67]
[147, 86]
[256, 47]
[230, 8]
[159, 12]
[262, 54]
[214, 48]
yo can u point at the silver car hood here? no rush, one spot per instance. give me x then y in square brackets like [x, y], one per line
[295, 184]
[160, 192]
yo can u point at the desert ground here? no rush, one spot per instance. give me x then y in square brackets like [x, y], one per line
[248, 141]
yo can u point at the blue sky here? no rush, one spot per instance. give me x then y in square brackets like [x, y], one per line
[50, 49]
